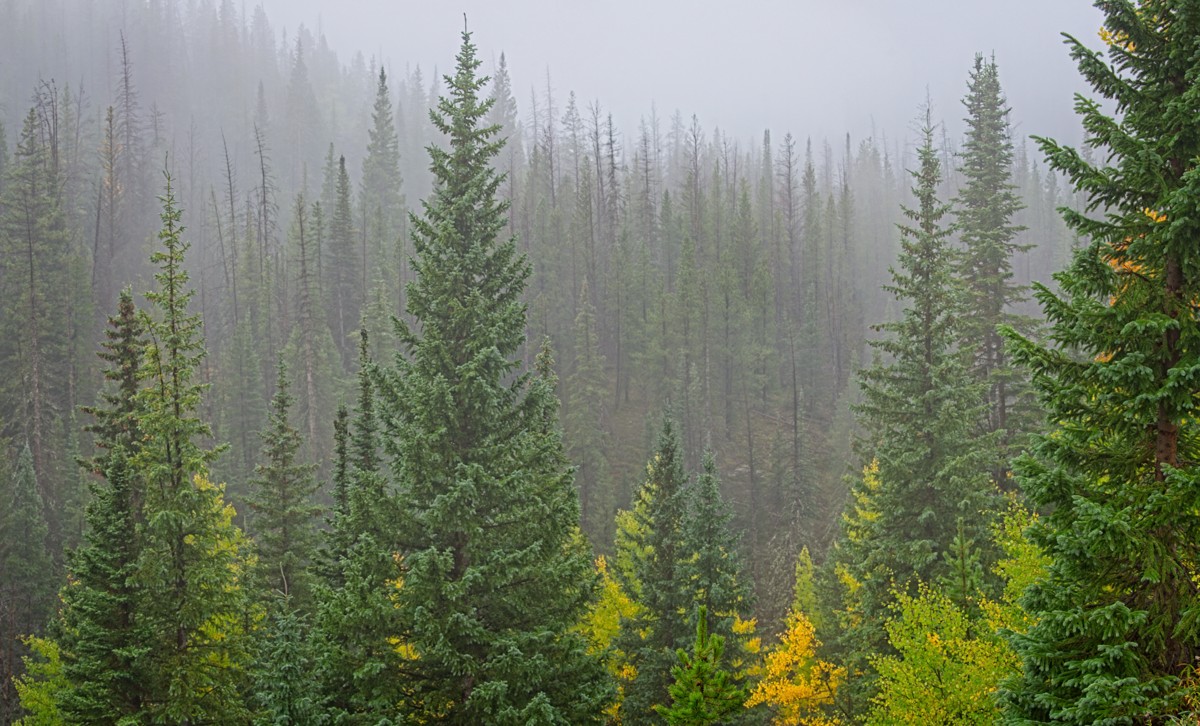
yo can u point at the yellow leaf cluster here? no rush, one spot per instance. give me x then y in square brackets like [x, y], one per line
[797, 685]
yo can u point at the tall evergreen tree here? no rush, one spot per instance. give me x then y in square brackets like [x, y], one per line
[191, 555]
[918, 411]
[584, 424]
[1117, 633]
[98, 634]
[984, 210]
[345, 267]
[282, 499]
[656, 579]
[35, 244]
[29, 576]
[494, 571]
[712, 566]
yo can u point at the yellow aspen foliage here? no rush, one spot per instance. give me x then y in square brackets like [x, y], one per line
[797, 686]
[949, 665]
[602, 623]
[948, 668]
[40, 687]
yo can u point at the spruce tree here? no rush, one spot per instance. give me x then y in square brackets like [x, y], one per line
[98, 634]
[360, 636]
[654, 546]
[191, 601]
[584, 423]
[281, 496]
[713, 567]
[918, 412]
[284, 690]
[494, 572]
[29, 576]
[704, 692]
[1117, 635]
[345, 268]
[984, 210]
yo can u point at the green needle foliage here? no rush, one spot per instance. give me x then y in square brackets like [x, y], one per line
[281, 498]
[1118, 616]
[495, 570]
[190, 561]
[703, 693]
[920, 412]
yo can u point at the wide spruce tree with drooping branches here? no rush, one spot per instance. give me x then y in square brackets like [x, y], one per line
[1118, 614]
[495, 571]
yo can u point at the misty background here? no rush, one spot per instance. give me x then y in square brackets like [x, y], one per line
[817, 69]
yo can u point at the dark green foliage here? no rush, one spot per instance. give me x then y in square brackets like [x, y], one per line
[281, 499]
[283, 675]
[28, 575]
[101, 638]
[703, 692]
[116, 417]
[98, 634]
[495, 573]
[190, 598]
[919, 413]
[1117, 631]
[984, 211]
[657, 548]
[712, 566]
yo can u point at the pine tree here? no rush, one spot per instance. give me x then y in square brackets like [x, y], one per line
[1116, 634]
[27, 586]
[655, 577]
[984, 211]
[495, 574]
[919, 408]
[704, 692]
[345, 265]
[116, 417]
[191, 554]
[382, 205]
[584, 423]
[283, 675]
[98, 634]
[34, 260]
[712, 567]
[281, 498]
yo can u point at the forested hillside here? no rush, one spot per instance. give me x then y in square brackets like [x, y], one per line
[339, 391]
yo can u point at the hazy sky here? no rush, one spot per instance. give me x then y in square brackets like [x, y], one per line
[814, 68]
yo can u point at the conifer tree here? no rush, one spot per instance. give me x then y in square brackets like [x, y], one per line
[98, 633]
[28, 582]
[284, 681]
[919, 408]
[584, 423]
[704, 692]
[345, 265]
[34, 261]
[495, 574]
[712, 566]
[382, 205]
[984, 211]
[116, 417]
[281, 498]
[656, 577]
[191, 555]
[1117, 634]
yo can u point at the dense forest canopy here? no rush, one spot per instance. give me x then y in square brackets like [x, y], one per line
[350, 392]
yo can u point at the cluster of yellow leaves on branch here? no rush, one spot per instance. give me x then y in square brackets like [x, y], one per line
[796, 685]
